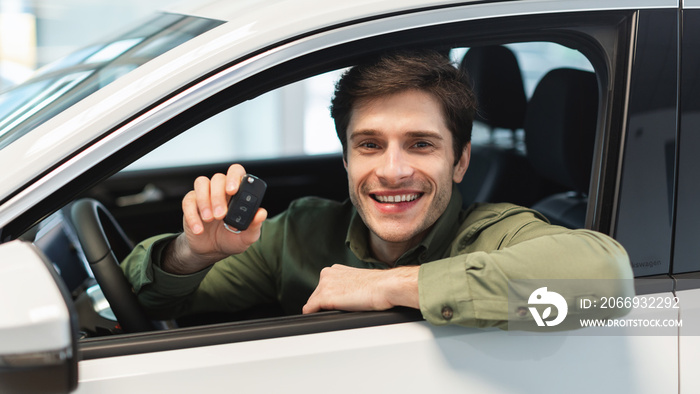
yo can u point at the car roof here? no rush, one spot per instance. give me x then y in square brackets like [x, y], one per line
[279, 11]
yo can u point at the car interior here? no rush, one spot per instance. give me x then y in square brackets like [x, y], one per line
[533, 151]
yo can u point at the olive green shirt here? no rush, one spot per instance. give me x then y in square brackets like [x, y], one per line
[466, 260]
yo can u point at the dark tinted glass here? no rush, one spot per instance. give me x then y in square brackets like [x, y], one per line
[686, 256]
[645, 202]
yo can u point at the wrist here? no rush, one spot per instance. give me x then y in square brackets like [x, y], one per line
[402, 290]
[179, 259]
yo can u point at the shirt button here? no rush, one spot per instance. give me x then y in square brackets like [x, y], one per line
[447, 313]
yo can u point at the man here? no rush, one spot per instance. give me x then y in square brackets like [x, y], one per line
[404, 121]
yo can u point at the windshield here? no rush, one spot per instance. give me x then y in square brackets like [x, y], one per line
[63, 83]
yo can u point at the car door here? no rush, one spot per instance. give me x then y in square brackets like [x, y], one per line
[685, 261]
[395, 351]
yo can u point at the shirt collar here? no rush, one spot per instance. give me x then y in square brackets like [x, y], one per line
[434, 246]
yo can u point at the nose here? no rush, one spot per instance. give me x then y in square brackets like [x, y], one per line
[394, 166]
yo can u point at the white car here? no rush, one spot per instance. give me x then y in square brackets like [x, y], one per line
[216, 81]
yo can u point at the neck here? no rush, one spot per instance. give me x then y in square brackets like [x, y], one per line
[389, 252]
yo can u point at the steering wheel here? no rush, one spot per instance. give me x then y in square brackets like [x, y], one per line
[102, 239]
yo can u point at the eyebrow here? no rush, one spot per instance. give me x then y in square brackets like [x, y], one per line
[411, 134]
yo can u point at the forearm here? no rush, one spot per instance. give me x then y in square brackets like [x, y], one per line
[472, 289]
[360, 289]
[232, 284]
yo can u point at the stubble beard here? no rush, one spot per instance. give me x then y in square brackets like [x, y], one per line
[394, 232]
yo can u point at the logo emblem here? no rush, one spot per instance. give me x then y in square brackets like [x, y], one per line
[543, 297]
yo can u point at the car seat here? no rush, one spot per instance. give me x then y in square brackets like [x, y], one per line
[560, 129]
[498, 85]
[496, 172]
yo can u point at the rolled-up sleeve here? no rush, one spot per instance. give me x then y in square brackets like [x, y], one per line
[471, 287]
[233, 284]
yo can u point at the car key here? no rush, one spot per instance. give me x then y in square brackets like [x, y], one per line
[245, 203]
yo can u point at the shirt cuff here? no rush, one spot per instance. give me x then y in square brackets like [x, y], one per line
[156, 278]
[439, 302]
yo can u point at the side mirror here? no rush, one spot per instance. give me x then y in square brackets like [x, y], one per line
[38, 324]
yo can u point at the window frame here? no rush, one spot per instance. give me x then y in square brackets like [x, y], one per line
[609, 63]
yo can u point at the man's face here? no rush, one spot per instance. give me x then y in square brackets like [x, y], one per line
[400, 164]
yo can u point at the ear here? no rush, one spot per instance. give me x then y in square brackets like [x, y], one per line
[462, 164]
[345, 164]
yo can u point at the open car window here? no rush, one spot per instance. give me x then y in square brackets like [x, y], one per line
[262, 121]
[253, 133]
[294, 120]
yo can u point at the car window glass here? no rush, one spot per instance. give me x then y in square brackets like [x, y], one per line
[65, 82]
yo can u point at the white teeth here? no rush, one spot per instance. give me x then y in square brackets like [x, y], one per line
[397, 198]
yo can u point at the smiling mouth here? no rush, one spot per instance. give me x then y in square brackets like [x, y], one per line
[398, 198]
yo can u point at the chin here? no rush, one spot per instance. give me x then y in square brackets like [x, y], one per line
[395, 235]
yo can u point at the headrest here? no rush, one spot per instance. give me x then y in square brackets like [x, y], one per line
[498, 85]
[560, 127]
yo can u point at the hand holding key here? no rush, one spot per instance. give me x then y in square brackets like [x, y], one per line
[205, 239]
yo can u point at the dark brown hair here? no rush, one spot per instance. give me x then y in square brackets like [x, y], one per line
[428, 71]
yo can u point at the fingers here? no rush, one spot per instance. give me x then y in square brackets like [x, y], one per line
[252, 234]
[219, 199]
[233, 178]
[202, 189]
[259, 218]
[212, 195]
[311, 306]
[335, 290]
[190, 212]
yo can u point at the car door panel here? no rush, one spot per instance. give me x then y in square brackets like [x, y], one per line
[407, 357]
[689, 335]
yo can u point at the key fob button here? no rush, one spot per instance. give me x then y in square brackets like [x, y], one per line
[245, 203]
[248, 198]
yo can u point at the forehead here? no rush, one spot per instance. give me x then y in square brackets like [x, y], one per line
[409, 110]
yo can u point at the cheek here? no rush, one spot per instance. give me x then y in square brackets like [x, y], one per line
[440, 171]
[358, 170]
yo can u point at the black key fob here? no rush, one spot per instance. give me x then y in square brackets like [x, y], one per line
[245, 203]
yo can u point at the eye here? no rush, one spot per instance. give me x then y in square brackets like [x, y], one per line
[367, 145]
[422, 145]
